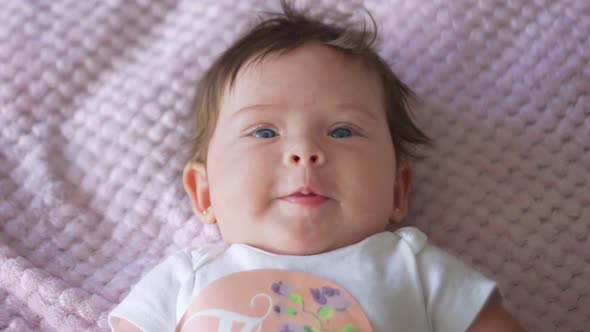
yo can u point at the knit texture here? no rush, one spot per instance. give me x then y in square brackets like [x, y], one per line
[95, 128]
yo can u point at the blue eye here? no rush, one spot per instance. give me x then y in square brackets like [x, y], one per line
[264, 133]
[342, 132]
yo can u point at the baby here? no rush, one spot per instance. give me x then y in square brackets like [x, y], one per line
[302, 159]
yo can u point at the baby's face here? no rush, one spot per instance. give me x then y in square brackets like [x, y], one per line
[312, 118]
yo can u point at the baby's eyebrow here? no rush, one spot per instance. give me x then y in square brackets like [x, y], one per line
[357, 109]
[255, 107]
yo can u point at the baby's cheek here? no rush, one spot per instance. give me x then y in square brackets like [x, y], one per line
[374, 193]
[243, 192]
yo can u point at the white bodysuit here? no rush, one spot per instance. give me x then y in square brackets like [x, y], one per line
[391, 281]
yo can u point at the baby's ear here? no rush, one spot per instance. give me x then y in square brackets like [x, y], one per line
[196, 186]
[403, 184]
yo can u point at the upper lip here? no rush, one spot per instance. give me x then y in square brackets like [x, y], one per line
[306, 190]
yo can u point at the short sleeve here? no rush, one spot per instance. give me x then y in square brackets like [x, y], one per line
[454, 292]
[151, 303]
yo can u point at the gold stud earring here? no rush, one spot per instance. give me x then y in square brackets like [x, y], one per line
[395, 211]
[206, 214]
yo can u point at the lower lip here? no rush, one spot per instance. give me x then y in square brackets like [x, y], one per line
[306, 200]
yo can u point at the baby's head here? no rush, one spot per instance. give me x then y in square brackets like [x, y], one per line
[303, 139]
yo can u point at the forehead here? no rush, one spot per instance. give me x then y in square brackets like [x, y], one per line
[309, 77]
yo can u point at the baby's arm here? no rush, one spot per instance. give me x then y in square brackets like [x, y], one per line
[152, 302]
[493, 317]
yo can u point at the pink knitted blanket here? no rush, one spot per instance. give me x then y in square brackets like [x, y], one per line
[95, 125]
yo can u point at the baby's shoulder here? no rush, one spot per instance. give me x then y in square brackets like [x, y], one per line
[203, 254]
[412, 237]
[186, 261]
[427, 254]
[402, 241]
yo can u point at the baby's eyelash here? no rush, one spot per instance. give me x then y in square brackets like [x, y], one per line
[257, 129]
[353, 131]
[356, 130]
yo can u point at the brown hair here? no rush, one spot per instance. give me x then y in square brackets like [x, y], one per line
[282, 33]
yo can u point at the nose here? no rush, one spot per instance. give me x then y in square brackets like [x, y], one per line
[303, 158]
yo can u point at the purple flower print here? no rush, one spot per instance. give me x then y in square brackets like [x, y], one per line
[279, 309]
[329, 291]
[331, 301]
[318, 297]
[330, 297]
[281, 288]
[291, 327]
[338, 303]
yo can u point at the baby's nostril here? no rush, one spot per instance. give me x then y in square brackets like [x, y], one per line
[295, 158]
[314, 158]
